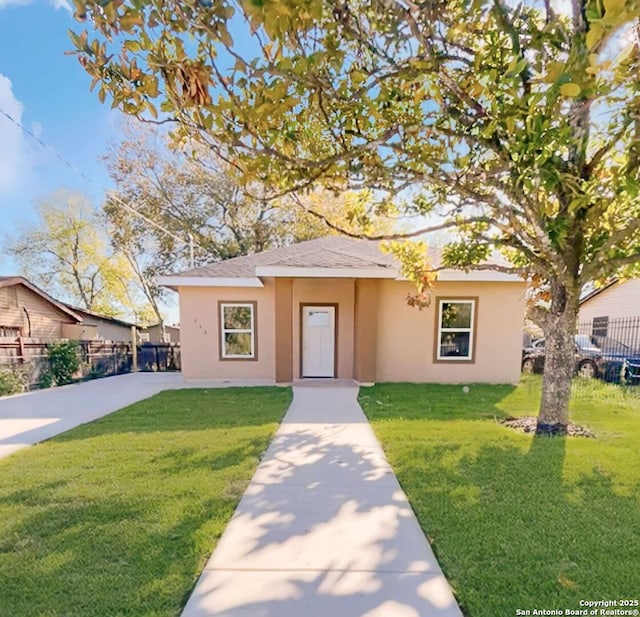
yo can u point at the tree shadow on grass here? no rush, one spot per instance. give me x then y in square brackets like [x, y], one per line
[117, 517]
[511, 533]
[106, 557]
[517, 521]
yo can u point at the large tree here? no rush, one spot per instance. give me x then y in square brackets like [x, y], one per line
[517, 122]
[66, 251]
[168, 204]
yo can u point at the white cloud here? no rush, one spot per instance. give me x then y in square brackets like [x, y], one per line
[60, 4]
[56, 4]
[14, 152]
[6, 3]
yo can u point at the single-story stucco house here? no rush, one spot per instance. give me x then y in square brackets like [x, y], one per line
[337, 308]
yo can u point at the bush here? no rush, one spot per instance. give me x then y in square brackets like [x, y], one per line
[45, 381]
[11, 382]
[95, 372]
[64, 361]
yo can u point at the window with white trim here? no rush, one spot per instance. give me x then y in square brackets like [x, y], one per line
[237, 330]
[456, 320]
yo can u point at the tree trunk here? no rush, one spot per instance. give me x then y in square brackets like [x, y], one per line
[559, 364]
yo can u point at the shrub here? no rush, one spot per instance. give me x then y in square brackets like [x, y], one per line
[11, 382]
[95, 372]
[64, 361]
[45, 381]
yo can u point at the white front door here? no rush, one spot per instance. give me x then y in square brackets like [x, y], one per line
[318, 341]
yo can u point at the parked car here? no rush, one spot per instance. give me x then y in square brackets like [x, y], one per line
[586, 356]
[619, 361]
[600, 357]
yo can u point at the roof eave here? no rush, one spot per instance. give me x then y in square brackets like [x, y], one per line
[174, 282]
[480, 276]
[597, 291]
[20, 280]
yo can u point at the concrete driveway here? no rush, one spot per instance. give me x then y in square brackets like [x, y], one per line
[28, 418]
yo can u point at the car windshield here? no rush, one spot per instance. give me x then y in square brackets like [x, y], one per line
[584, 341]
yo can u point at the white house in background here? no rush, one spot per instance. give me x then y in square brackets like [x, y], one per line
[614, 300]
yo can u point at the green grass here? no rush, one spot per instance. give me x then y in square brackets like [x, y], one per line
[117, 517]
[518, 522]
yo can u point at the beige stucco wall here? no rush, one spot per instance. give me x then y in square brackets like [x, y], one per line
[405, 338]
[619, 300]
[334, 291]
[406, 335]
[200, 333]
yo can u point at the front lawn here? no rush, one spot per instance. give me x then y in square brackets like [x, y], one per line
[518, 522]
[117, 517]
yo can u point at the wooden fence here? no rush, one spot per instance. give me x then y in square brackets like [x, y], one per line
[29, 357]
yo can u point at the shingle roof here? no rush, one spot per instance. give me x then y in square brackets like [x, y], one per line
[327, 252]
[84, 312]
[597, 291]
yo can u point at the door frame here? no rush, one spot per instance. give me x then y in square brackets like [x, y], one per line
[335, 337]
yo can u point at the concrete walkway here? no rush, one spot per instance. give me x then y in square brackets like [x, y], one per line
[324, 529]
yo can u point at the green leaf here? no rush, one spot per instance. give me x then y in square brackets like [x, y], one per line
[133, 46]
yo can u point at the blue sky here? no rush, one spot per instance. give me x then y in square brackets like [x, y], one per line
[48, 92]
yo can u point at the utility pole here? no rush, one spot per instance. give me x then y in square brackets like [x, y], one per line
[191, 251]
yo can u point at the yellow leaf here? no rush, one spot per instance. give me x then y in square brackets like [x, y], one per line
[554, 71]
[570, 89]
[281, 8]
[613, 6]
[626, 51]
[565, 582]
[594, 35]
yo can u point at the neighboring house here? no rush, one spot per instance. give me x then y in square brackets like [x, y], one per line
[160, 334]
[336, 307]
[27, 311]
[105, 328]
[172, 334]
[614, 300]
